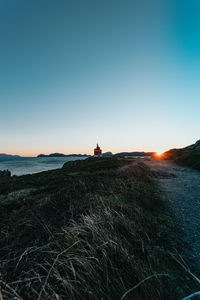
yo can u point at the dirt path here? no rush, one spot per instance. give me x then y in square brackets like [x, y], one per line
[181, 188]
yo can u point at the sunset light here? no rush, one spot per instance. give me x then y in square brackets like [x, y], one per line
[159, 153]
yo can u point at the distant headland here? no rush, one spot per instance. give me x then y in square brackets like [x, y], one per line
[4, 156]
[8, 155]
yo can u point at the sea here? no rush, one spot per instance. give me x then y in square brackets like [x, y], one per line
[29, 165]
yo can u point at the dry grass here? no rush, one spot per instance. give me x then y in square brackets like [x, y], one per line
[87, 237]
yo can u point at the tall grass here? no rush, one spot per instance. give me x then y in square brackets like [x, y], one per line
[87, 236]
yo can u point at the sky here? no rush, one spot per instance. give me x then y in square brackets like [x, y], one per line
[123, 73]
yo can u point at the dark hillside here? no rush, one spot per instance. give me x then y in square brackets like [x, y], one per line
[188, 156]
[189, 159]
[86, 231]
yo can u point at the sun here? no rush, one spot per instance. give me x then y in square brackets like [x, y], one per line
[159, 152]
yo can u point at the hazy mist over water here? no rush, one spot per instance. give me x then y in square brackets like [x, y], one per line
[30, 165]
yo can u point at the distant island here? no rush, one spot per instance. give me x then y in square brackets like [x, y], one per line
[62, 155]
[8, 155]
[4, 156]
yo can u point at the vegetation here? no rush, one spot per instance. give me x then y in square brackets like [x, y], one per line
[94, 164]
[92, 230]
[185, 157]
[172, 154]
[189, 159]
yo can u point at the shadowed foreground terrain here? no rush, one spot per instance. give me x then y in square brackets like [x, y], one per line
[91, 230]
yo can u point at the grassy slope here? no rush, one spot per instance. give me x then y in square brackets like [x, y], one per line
[185, 158]
[90, 231]
[190, 159]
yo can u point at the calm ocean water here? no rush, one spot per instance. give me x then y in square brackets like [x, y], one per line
[30, 165]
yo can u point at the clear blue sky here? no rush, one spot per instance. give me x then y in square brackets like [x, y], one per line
[123, 73]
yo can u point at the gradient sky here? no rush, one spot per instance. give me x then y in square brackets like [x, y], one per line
[124, 73]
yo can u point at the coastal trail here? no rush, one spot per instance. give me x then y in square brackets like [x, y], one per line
[180, 187]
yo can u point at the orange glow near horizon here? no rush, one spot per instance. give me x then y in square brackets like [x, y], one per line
[159, 154]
